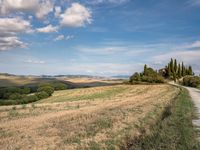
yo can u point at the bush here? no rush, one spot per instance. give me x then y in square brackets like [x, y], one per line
[25, 90]
[2, 92]
[48, 89]
[8, 102]
[28, 99]
[149, 75]
[6, 95]
[15, 96]
[192, 81]
[59, 86]
[135, 77]
[42, 95]
[13, 92]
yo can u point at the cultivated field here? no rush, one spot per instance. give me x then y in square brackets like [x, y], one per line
[90, 118]
[72, 82]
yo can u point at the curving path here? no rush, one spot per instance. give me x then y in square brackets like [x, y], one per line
[195, 95]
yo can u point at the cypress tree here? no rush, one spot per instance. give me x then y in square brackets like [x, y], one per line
[179, 70]
[172, 65]
[175, 65]
[145, 69]
[190, 72]
[169, 70]
[183, 70]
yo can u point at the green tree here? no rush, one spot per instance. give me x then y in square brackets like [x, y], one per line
[48, 89]
[135, 77]
[42, 95]
[183, 70]
[175, 66]
[179, 70]
[172, 65]
[169, 70]
[145, 69]
[190, 72]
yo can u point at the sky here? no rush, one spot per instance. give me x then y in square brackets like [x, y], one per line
[97, 37]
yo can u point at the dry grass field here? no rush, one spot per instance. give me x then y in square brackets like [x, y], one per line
[9, 81]
[90, 118]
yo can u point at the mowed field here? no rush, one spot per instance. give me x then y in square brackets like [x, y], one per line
[72, 82]
[91, 118]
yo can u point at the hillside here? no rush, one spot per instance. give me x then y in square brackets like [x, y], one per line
[92, 118]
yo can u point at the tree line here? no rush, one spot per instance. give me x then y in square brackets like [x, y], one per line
[25, 95]
[148, 75]
[173, 70]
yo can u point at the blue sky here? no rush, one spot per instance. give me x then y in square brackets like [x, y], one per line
[97, 37]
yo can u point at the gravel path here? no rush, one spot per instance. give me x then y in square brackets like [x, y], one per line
[195, 95]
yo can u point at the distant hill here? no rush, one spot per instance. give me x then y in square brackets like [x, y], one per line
[55, 76]
[121, 77]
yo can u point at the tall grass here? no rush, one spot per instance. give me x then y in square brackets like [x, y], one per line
[173, 131]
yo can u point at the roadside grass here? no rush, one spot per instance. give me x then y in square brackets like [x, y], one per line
[173, 130]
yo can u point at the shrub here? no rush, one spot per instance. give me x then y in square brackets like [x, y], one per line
[13, 90]
[135, 77]
[6, 95]
[25, 90]
[15, 96]
[149, 75]
[28, 99]
[42, 95]
[8, 102]
[59, 86]
[2, 92]
[48, 89]
[193, 81]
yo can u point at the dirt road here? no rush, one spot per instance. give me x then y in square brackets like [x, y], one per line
[195, 95]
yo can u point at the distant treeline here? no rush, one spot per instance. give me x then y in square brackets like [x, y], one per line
[148, 75]
[24, 95]
[173, 70]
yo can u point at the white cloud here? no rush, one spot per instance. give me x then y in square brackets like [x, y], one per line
[103, 69]
[57, 11]
[195, 44]
[40, 8]
[62, 37]
[69, 37]
[10, 42]
[128, 50]
[59, 38]
[34, 61]
[76, 16]
[188, 46]
[9, 30]
[190, 57]
[47, 29]
[193, 2]
[14, 25]
[96, 2]
[186, 56]
[44, 8]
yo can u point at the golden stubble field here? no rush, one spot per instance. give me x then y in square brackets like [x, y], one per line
[91, 118]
